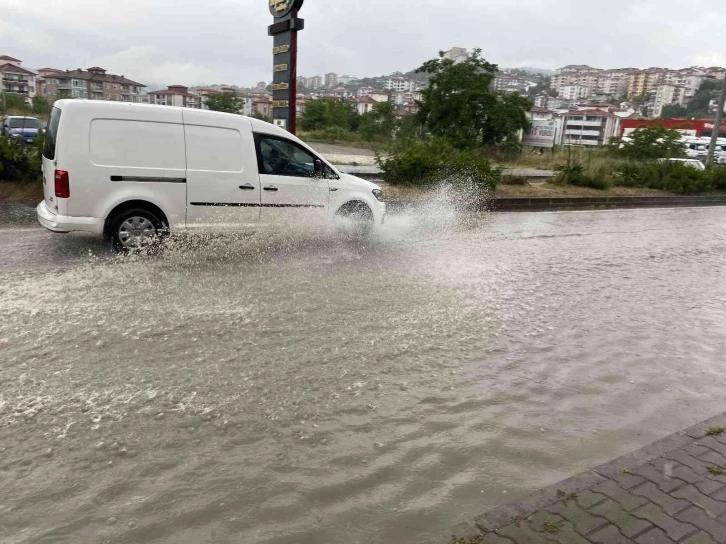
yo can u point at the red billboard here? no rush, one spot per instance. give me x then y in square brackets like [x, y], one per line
[689, 127]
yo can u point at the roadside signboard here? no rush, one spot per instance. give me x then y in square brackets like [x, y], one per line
[541, 134]
[284, 30]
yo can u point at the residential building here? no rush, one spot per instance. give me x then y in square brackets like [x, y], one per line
[178, 95]
[399, 84]
[344, 80]
[262, 106]
[331, 79]
[16, 79]
[376, 94]
[364, 104]
[457, 54]
[510, 83]
[407, 97]
[574, 92]
[93, 83]
[668, 95]
[590, 128]
[46, 84]
[261, 86]
[314, 82]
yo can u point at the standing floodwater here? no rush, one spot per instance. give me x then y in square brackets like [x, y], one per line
[313, 389]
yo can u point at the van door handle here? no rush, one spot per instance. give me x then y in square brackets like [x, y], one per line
[246, 187]
[270, 188]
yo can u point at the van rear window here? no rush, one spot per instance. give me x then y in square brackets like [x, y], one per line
[51, 134]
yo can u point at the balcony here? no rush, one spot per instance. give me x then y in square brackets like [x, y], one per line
[63, 85]
[578, 133]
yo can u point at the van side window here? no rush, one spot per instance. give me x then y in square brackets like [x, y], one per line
[51, 134]
[278, 156]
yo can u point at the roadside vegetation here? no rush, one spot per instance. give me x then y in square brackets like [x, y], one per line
[21, 179]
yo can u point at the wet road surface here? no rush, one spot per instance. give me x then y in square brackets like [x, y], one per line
[308, 388]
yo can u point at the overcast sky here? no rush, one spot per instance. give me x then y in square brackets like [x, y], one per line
[160, 42]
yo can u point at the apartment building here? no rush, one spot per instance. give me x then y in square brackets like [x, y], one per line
[16, 79]
[590, 128]
[93, 83]
[574, 92]
[376, 94]
[178, 95]
[399, 84]
[262, 106]
[510, 83]
[668, 95]
[331, 79]
[406, 97]
[457, 54]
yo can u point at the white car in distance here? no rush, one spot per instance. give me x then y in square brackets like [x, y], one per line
[133, 172]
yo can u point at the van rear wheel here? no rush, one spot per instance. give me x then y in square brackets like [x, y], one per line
[136, 230]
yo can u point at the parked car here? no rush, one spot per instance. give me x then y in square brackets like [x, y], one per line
[21, 128]
[691, 163]
[134, 172]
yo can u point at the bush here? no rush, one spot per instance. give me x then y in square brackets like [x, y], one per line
[575, 173]
[333, 134]
[21, 162]
[435, 160]
[673, 177]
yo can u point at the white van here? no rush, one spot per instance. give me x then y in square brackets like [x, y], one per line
[133, 172]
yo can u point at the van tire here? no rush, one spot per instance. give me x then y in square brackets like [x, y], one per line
[360, 216]
[146, 237]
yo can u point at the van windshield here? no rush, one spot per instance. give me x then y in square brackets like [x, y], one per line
[51, 135]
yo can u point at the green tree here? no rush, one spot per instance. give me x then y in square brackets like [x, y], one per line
[12, 101]
[379, 123]
[673, 111]
[325, 113]
[709, 90]
[654, 143]
[41, 106]
[226, 102]
[460, 106]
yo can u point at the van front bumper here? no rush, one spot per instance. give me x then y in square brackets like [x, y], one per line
[66, 223]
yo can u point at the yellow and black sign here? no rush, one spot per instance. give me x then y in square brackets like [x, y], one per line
[280, 8]
[280, 50]
[280, 86]
[280, 67]
[280, 103]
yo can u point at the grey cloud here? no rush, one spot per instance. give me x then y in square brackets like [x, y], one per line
[167, 41]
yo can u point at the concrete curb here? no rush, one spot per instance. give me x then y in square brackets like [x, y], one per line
[502, 516]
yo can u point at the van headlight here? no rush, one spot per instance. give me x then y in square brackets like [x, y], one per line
[378, 194]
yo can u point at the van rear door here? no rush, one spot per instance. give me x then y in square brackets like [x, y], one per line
[49, 160]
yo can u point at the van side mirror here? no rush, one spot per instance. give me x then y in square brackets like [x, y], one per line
[318, 168]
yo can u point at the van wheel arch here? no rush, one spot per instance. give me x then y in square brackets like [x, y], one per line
[134, 205]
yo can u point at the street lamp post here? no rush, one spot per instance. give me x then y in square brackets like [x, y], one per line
[717, 124]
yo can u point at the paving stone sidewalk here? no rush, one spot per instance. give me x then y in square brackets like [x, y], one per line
[672, 491]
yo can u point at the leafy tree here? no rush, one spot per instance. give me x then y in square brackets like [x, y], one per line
[12, 101]
[380, 122]
[41, 106]
[258, 115]
[653, 143]
[324, 113]
[543, 85]
[226, 102]
[673, 111]
[409, 127]
[460, 106]
[699, 104]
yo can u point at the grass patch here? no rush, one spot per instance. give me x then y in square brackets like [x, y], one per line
[27, 193]
[714, 431]
[717, 471]
[551, 528]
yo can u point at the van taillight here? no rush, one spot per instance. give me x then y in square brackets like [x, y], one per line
[62, 188]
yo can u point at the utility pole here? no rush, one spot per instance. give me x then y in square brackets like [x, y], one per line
[717, 124]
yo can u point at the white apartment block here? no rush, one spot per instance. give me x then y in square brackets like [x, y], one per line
[574, 92]
[331, 79]
[16, 79]
[315, 82]
[178, 95]
[457, 54]
[668, 95]
[399, 84]
[590, 128]
[509, 83]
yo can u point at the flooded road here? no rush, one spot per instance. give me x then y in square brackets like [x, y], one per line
[308, 388]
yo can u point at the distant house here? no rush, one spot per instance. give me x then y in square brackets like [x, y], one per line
[16, 79]
[178, 95]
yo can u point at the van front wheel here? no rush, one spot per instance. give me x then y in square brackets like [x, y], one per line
[134, 230]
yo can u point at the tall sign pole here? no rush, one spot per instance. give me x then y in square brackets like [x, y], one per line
[284, 31]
